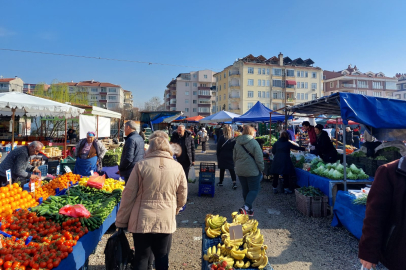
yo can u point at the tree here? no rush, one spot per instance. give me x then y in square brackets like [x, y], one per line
[154, 104]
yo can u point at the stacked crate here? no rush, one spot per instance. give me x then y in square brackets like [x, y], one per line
[207, 178]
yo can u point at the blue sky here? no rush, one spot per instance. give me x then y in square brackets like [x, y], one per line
[204, 34]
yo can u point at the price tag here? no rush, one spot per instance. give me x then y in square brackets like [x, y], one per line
[67, 169]
[58, 169]
[32, 187]
[8, 175]
[91, 172]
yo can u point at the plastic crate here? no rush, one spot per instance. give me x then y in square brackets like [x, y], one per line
[206, 177]
[311, 206]
[207, 167]
[43, 169]
[206, 189]
[71, 166]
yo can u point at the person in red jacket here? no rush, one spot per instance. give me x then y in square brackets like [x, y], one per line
[310, 130]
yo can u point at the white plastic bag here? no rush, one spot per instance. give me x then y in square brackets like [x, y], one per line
[192, 175]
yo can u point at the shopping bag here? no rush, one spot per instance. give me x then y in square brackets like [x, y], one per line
[117, 252]
[96, 181]
[77, 210]
[192, 175]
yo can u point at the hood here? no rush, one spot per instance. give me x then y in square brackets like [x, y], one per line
[244, 139]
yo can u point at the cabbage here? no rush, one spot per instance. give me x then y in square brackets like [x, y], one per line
[354, 169]
[362, 174]
[340, 168]
[352, 176]
[320, 164]
[329, 166]
[316, 161]
[337, 175]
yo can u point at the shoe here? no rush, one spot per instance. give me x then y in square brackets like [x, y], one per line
[275, 191]
[202, 152]
[219, 184]
[250, 213]
[234, 186]
[288, 191]
[244, 210]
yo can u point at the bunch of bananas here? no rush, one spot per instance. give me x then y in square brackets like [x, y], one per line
[213, 225]
[212, 254]
[239, 218]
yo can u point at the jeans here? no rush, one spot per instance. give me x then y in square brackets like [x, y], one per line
[203, 146]
[232, 173]
[157, 243]
[250, 188]
[215, 138]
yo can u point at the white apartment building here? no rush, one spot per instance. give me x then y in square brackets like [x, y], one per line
[11, 84]
[192, 93]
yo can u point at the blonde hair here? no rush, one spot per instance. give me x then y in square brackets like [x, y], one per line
[160, 144]
[227, 132]
[159, 133]
[248, 130]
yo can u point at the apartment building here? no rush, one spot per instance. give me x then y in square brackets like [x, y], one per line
[352, 80]
[400, 86]
[30, 87]
[191, 93]
[275, 82]
[106, 95]
[11, 84]
[128, 100]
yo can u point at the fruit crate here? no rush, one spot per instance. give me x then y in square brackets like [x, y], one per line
[70, 164]
[390, 155]
[311, 206]
[43, 169]
[52, 165]
[206, 189]
[207, 177]
[207, 167]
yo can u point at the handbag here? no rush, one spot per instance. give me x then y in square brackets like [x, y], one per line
[252, 157]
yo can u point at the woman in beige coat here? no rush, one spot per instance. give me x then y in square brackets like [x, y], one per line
[155, 192]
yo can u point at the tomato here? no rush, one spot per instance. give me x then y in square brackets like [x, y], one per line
[55, 263]
[7, 264]
[42, 264]
[8, 257]
[50, 265]
[70, 249]
[16, 264]
[1, 261]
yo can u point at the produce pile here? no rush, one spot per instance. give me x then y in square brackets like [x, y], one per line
[335, 171]
[298, 163]
[112, 157]
[249, 251]
[60, 182]
[361, 200]
[310, 191]
[109, 185]
[98, 202]
[51, 242]
[268, 142]
[13, 197]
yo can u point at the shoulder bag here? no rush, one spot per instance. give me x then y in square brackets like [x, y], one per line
[252, 157]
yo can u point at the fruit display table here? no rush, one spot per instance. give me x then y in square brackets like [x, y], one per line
[349, 215]
[87, 244]
[327, 186]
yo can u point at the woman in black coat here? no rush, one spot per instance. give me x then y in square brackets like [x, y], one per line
[282, 164]
[225, 146]
[324, 147]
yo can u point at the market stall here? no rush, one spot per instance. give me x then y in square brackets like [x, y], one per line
[219, 117]
[260, 113]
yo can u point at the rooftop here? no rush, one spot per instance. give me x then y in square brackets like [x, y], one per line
[6, 79]
[93, 83]
[354, 72]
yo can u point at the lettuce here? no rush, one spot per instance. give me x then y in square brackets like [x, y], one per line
[354, 169]
[340, 168]
[351, 176]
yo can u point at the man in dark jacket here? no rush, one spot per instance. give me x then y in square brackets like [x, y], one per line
[184, 138]
[324, 147]
[384, 232]
[133, 150]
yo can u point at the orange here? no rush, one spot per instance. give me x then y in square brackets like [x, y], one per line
[16, 185]
[2, 195]
[11, 199]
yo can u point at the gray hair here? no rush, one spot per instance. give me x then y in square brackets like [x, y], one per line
[182, 126]
[131, 124]
[159, 133]
[36, 144]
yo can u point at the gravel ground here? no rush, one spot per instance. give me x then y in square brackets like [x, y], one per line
[294, 241]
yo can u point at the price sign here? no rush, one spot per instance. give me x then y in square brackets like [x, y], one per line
[91, 172]
[32, 187]
[67, 169]
[58, 169]
[8, 175]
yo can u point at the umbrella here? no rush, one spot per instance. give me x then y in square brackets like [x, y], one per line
[222, 116]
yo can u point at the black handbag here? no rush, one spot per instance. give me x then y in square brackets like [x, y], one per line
[118, 252]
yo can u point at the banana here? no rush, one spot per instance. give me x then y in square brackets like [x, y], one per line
[264, 262]
[213, 250]
[205, 257]
[209, 252]
[239, 264]
[259, 262]
[237, 256]
[247, 264]
[253, 255]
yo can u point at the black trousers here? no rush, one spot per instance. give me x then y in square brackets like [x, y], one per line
[232, 173]
[186, 168]
[288, 181]
[155, 243]
[203, 146]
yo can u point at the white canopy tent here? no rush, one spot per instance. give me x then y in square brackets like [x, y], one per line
[219, 117]
[20, 104]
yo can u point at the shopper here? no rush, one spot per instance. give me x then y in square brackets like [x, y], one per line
[310, 131]
[384, 232]
[324, 147]
[133, 150]
[249, 165]
[338, 135]
[195, 137]
[225, 147]
[203, 138]
[282, 164]
[18, 162]
[184, 139]
[349, 136]
[89, 154]
[142, 134]
[154, 194]
[356, 138]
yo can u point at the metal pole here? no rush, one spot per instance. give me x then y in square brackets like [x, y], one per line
[270, 126]
[345, 161]
[97, 128]
[118, 133]
[12, 126]
[336, 133]
[66, 137]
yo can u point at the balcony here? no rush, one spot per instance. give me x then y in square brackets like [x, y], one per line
[377, 87]
[204, 113]
[103, 100]
[203, 88]
[349, 85]
[230, 108]
[290, 89]
[172, 88]
[233, 73]
[103, 93]
[204, 105]
[290, 101]
[234, 86]
[127, 100]
[234, 95]
[173, 105]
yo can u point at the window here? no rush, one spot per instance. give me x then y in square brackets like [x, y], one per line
[263, 71]
[306, 74]
[112, 90]
[71, 89]
[267, 94]
[277, 83]
[217, 98]
[93, 97]
[306, 96]
[298, 85]
[302, 96]
[194, 84]
[259, 71]
[250, 70]
[224, 96]
[194, 93]
[324, 77]
[302, 85]
[259, 94]
[305, 85]
[404, 96]
[204, 92]
[377, 94]
[331, 85]
[314, 96]
[391, 85]
[103, 97]
[205, 76]
[194, 109]
[225, 86]
[314, 85]
[194, 75]
[220, 88]
[290, 73]
[186, 101]
[186, 84]
[268, 83]
[112, 97]
[362, 92]
[259, 82]
[194, 101]
[362, 84]
[263, 94]
[263, 82]
[298, 96]
[224, 74]
[298, 74]
[314, 75]
[250, 105]
[220, 98]
[275, 107]
[186, 109]
[186, 93]
[94, 90]
[250, 82]
[250, 94]
[204, 110]
[267, 105]
[377, 85]
[111, 106]
[277, 71]
[302, 74]
[268, 71]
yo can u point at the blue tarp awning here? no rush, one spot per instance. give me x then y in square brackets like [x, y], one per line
[159, 119]
[259, 113]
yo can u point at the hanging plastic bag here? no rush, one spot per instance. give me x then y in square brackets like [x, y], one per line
[118, 252]
[96, 181]
[77, 210]
[192, 175]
